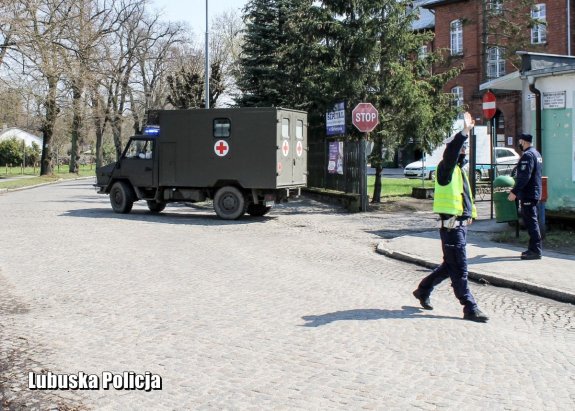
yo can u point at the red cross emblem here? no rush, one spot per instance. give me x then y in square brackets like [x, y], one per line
[279, 167]
[299, 149]
[221, 148]
[285, 148]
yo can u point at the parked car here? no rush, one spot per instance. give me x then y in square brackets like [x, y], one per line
[505, 158]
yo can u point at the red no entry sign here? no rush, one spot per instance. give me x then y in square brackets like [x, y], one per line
[489, 106]
[365, 117]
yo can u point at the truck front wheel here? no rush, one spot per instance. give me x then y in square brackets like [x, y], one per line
[121, 197]
[229, 203]
[258, 210]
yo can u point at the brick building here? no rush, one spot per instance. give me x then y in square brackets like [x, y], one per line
[475, 35]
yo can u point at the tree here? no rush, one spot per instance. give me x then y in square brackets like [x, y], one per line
[186, 89]
[225, 48]
[151, 55]
[89, 23]
[408, 95]
[121, 59]
[308, 55]
[33, 153]
[10, 106]
[39, 39]
[504, 26]
[11, 151]
[260, 61]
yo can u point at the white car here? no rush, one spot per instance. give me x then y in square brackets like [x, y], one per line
[505, 159]
[417, 170]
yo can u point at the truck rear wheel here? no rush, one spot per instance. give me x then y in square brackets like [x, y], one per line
[229, 203]
[156, 206]
[258, 210]
[121, 197]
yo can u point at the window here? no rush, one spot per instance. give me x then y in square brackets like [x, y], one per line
[423, 52]
[495, 62]
[457, 93]
[139, 149]
[222, 127]
[299, 130]
[285, 127]
[539, 30]
[456, 37]
[502, 152]
[495, 6]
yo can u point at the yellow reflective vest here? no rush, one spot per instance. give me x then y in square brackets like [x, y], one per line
[449, 199]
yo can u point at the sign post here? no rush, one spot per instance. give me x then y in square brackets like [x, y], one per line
[365, 118]
[489, 110]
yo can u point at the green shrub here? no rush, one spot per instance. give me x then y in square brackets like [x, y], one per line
[11, 151]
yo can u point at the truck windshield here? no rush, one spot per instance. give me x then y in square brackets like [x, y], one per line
[139, 149]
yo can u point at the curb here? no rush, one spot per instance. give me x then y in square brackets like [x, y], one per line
[483, 278]
[61, 180]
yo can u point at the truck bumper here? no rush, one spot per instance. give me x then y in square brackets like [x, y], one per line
[99, 189]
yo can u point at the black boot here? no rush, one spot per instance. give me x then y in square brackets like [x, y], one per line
[530, 255]
[476, 315]
[423, 299]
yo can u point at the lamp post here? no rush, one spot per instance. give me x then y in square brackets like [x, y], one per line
[207, 69]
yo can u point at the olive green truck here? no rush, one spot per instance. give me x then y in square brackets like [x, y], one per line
[244, 159]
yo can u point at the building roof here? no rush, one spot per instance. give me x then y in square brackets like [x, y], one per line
[532, 65]
[433, 3]
[28, 138]
[426, 18]
[511, 81]
[541, 64]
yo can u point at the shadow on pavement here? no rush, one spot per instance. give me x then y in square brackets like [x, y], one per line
[206, 217]
[483, 259]
[369, 314]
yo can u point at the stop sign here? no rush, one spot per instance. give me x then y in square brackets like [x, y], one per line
[365, 117]
[489, 105]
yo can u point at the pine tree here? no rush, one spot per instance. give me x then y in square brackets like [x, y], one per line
[409, 96]
[306, 54]
[260, 62]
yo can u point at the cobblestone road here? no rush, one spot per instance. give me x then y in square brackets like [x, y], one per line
[290, 311]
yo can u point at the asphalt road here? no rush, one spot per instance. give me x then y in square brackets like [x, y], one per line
[387, 172]
[294, 310]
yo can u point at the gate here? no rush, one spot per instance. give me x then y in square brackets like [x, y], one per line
[319, 177]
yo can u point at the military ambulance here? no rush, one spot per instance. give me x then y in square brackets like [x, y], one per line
[244, 159]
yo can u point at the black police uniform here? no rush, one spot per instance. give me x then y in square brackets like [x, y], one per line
[453, 240]
[528, 188]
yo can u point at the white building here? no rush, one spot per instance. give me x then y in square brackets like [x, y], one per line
[28, 138]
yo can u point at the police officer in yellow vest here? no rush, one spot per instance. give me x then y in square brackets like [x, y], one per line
[454, 204]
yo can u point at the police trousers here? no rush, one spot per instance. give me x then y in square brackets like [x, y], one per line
[530, 219]
[454, 266]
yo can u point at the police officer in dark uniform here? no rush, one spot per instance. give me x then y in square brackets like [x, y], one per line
[454, 204]
[528, 188]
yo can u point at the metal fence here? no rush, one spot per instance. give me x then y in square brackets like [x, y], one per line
[319, 177]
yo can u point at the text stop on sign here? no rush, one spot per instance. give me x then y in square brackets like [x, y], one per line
[359, 117]
[365, 117]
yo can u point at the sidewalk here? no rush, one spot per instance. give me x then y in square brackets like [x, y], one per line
[16, 177]
[498, 264]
